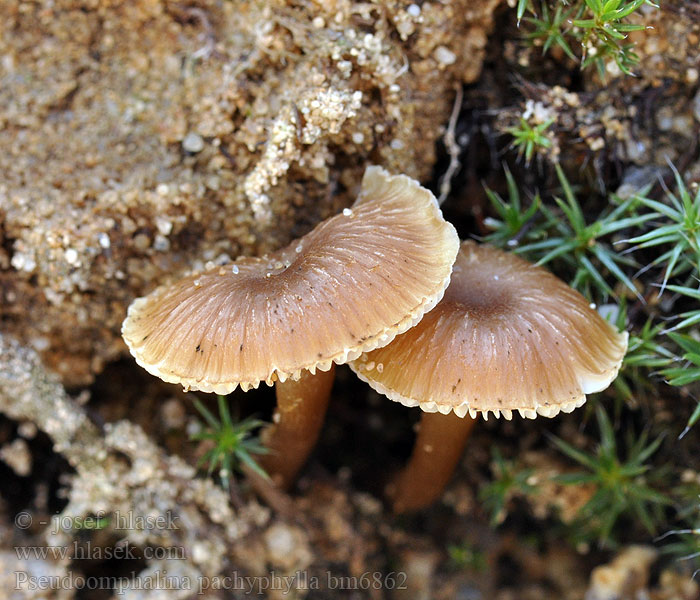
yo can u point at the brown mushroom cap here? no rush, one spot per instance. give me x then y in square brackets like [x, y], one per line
[350, 285]
[508, 335]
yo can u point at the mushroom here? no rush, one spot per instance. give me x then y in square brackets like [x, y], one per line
[507, 336]
[349, 286]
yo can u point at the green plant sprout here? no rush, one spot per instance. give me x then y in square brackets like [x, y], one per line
[529, 139]
[600, 27]
[550, 29]
[681, 231]
[233, 442]
[507, 482]
[579, 243]
[544, 235]
[603, 33]
[514, 220]
[622, 485]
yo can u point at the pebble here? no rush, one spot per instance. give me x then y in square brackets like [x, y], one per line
[287, 547]
[103, 240]
[71, 256]
[16, 455]
[193, 143]
[161, 243]
[445, 56]
[625, 577]
[141, 242]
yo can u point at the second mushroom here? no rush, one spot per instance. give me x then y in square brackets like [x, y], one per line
[507, 336]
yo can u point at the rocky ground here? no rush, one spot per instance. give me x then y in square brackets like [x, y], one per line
[143, 139]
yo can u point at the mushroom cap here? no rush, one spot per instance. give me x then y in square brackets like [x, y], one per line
[349, 286]
[508, 335]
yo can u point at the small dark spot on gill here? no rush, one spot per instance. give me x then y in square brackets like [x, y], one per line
[320, 355]
[459, 381]
[541, 392]
[454, 389]
[330, 304]
[292, 329]
[240, 348]
[145, 337]
[529, 330]
[198, 348]
[499, 400]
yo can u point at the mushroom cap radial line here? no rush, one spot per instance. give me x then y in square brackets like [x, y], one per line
[349, 286]
[507, 336]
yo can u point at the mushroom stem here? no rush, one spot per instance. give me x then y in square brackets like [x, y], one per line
[301, 408]
[439, 445]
